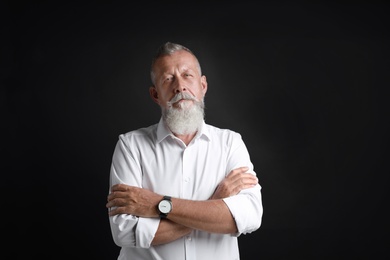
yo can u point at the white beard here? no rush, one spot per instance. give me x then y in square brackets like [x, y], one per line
[185, 119]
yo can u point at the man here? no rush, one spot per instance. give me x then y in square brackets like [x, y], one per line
[181, 189]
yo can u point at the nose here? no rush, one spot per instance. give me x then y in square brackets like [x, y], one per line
[179, 86]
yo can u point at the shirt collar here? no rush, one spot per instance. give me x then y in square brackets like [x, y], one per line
[163, 132]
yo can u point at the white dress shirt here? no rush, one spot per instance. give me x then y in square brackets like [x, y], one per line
[153, 158]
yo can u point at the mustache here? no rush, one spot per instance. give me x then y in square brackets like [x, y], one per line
[180, 96]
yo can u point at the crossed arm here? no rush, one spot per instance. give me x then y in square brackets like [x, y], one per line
[210, 215]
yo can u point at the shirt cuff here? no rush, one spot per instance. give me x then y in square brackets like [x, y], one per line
[244, 213]
[145, 231]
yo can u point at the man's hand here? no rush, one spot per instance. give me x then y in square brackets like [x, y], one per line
[125, 199]
[237, 180]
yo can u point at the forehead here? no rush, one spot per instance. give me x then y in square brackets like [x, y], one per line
[181, 60]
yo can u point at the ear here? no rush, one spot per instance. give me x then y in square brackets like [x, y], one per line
[203, 81]
[153, 94]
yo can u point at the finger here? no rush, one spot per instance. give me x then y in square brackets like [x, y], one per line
[238, 171]
[110, 204]
[240, 177]
[119, 193]
[111, 196]
[113, 211]
[115, 194]
[119, 187]
[250, 178]
[242, 186]
[244, 181]
[116, 203]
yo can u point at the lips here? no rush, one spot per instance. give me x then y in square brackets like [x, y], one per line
[180, 98]
[183, 99]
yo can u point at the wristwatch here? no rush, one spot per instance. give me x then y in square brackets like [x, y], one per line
[164, 206]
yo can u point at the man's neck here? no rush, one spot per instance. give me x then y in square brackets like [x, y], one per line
[186, 138]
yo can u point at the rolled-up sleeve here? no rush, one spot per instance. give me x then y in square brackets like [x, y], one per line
[128, 230]
[131, 231]
[246, 209]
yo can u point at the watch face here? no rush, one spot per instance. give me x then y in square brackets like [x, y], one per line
[164, 206]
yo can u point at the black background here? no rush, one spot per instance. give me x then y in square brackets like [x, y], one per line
[305, 84]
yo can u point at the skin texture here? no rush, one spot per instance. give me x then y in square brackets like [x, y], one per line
[179, 72]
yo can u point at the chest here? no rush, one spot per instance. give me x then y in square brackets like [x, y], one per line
[190, 173]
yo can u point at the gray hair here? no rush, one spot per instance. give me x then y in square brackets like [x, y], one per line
[169, 48]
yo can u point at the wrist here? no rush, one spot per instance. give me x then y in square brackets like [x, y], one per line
[164, 207]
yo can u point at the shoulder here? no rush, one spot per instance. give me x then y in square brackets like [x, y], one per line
[215, 132]
[140, 134]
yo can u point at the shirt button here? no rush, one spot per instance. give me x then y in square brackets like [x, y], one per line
[187, 179]
[189, 238]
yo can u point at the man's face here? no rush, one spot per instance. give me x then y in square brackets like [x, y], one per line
[177, 73]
